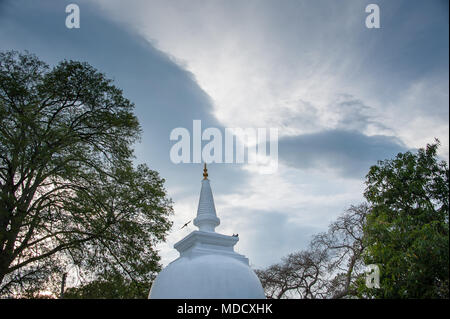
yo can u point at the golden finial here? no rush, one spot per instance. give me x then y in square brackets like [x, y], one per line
[205, 172]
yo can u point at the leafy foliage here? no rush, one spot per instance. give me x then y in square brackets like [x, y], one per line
[407, 229]
[115, 286]
[69, 193]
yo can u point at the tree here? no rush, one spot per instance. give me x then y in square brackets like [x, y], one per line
[330, 268]
[344, 244]
[407, 231]
[299, 275]
[69, 193]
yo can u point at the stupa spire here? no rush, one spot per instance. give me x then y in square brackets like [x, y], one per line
[206, 219]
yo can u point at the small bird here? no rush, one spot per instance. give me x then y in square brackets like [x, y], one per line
[235, 235]
[186, 224]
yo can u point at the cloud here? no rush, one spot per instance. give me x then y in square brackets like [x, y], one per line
[350, 153]
[422, 113]
[302, 66]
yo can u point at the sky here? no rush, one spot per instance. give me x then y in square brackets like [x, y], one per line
[342, 96]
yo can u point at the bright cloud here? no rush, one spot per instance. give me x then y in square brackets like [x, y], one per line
[309, 68]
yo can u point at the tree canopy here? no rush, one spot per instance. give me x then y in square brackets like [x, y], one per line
[69, 192]
[407, 229]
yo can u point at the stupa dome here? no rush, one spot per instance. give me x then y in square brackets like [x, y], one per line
[207, 277]
[208, 266]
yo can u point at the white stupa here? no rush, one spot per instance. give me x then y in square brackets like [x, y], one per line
[208, 266]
